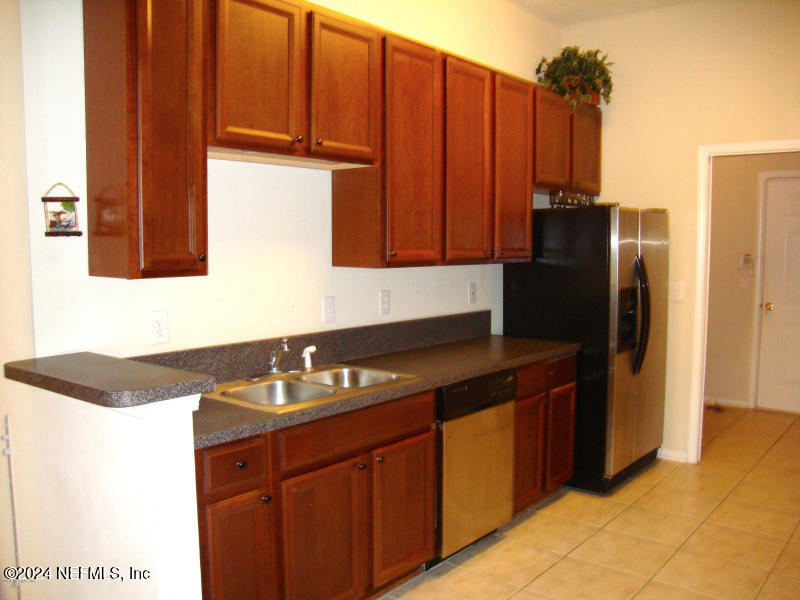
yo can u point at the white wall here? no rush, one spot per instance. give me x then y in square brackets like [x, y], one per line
[733, 290]
[16, 320]
[708, 72]
[269, 227]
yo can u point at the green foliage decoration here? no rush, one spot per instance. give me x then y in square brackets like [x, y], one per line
[575, 75]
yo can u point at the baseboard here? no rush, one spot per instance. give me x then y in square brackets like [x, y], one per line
[718, 400]
[669, 454]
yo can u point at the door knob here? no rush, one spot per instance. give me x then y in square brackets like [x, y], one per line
[769, 306]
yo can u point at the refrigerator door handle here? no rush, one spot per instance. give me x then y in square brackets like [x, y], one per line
[644, 333]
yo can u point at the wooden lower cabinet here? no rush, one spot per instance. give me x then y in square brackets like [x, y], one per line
[544, 429]
[240, 545]
[530, 435]
[328, 514]
[403, 507]
[560, 435]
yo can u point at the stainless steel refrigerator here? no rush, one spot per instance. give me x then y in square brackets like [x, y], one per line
[599, 276]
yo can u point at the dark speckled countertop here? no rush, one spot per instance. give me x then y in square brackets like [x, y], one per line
[217, 422]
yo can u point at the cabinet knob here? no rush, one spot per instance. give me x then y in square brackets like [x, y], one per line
[381, 459]
[202, 258]
[242, 464]
[489, 254]
[318, 141]
[499, 253]
[362, 467]
[266, 499]
[393, 253]
[299, 139]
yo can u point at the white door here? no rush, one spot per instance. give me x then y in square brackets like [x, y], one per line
[779, 361]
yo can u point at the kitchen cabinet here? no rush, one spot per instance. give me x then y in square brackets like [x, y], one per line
[552, 140]
[145, 138]
[238, 521]
[513, 167]
[345, 88]
[567, 145]
[587, 123]
[355, 525]
[413, 170]
[263, 95]
[544, 429]
[393, 214]
[468, 161]
[257, 78]
[325, 532]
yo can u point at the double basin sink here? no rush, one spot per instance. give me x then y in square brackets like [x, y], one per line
[284, 392]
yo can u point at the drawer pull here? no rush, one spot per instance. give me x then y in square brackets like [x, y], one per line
[380, 459]
[362, 467]
[266, 499]
[242, 465]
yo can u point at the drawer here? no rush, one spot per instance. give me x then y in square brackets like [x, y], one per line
[561, 371]
[233, 467]
[327, 440]
[531, 380]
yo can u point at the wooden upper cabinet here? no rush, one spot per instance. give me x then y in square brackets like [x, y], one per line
[587, 122]
[345, 88]
[468, 161]
[145, 138]
[414, 122]
[552, 139]
[257, 76]
[513, 158]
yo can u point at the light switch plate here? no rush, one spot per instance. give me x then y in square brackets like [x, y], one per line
[472, 292]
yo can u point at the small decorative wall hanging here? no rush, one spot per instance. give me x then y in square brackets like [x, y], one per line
[60, 213]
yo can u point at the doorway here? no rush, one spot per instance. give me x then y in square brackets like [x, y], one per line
[706, 156]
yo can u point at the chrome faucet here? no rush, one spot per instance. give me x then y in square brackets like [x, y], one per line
[276, 356]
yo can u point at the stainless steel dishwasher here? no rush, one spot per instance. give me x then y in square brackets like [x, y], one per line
[476, 420]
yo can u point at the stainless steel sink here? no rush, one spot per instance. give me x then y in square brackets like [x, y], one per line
[278, 393]
[350, 377]
[285, 392]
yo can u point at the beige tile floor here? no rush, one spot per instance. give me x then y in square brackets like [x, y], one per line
[725, 529]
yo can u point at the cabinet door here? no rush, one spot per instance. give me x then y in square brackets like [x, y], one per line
[587, 122]
[552, 137]
[468, 161]
[259, 82]
[345, 88]
[560, 435]
[325, 532]
[403, 507]
[240, 555]
[513, 164]
[414, 161]
[172, 142]
[530, 435]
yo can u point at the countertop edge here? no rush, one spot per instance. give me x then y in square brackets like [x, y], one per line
[72, 375]
[271, 422]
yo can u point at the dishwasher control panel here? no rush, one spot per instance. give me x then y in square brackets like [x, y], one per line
[469, 396]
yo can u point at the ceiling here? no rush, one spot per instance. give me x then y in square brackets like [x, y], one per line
[569, 12]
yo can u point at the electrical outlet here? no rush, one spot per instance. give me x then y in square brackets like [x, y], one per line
[159, 327]
[472, 292]
[328, 309]
[385, 302]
